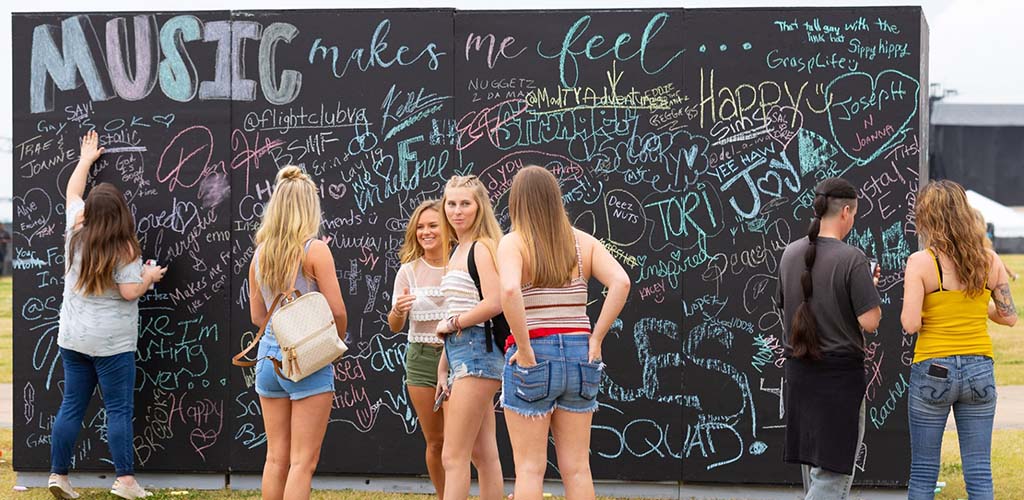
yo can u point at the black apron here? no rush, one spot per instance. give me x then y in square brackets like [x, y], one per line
[823, 400]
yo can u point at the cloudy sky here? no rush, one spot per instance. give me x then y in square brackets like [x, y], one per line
[975, 44]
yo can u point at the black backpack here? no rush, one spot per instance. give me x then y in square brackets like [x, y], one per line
[496, 329]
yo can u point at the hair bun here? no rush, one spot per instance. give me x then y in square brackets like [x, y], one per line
[290, 172]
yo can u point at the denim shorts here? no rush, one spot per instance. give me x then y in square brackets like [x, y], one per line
[270, 385]
[561, 379]
[468, 356]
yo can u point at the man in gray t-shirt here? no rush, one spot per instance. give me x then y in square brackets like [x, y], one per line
[843, 290]
[827, 294]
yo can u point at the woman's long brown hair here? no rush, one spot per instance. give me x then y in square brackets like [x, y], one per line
[952, 228]
[538, 215]
[106, 239]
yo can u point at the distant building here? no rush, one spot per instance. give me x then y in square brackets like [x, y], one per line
[981, 146]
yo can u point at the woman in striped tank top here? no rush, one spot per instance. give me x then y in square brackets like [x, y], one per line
[475, 368]
[553, 374]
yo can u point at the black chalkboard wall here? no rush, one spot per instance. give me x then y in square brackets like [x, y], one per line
[689, 150]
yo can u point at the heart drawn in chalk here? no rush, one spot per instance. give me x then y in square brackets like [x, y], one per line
[165, 120]
[32, 213]
[202, 440]
[783, 124]
[763, 184]
[337, 191]
[869, 114]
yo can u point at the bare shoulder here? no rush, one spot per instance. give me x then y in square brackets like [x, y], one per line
[920, 257]
[317, 248]
[993, 257]
[512, 237]
[586, 239]
[995, 267]
[480, 250]
[319, 255]
[919, 261]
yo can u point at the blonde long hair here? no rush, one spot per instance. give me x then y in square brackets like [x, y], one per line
[538, 215]
[485, 228]
[951, 227]
[411, 249]
[291, 218]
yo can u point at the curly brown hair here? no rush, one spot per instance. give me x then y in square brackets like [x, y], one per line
[952, 228]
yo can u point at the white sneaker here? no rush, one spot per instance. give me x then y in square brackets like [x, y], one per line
[60, 487]
[130, 492]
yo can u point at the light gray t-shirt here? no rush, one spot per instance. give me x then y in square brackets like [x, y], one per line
[97, 325]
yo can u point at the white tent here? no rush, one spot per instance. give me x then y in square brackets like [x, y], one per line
[1008, 222]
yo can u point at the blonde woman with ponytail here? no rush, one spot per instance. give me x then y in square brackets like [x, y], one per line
[289, 255]
[553, 371]
[828, 298]
[950, 291]
[474, 358]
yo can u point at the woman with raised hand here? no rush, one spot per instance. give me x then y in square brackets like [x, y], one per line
[99, 323]
[475, 361]
[950, 290]
[417, 297]
[553, 373]
[289, 255]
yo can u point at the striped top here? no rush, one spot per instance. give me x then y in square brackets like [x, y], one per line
[460, 293]
[558, 310]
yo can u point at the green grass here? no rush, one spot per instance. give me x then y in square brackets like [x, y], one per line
[1007, 342]
[6, 327]
[1007, 462]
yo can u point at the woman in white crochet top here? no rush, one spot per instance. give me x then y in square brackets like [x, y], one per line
[417, 298]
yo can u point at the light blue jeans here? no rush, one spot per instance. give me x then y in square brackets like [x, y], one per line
[821, 484]
[970, 390]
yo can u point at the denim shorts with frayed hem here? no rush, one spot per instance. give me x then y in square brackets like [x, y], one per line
[270, 385]
[468, 356]
[563, 378]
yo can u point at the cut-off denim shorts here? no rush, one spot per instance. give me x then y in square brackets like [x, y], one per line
[562, 378]
[468, 356]
[270, 385]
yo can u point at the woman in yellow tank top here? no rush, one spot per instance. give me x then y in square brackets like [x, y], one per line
[946, 302]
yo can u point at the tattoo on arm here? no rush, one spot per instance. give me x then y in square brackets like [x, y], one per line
[1003, 300]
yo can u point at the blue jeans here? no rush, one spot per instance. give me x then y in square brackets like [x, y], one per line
[822, 484]
[970, 389]
[562, 378]
[116, 376]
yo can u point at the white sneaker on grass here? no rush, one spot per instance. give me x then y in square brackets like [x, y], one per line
[60, 487]
[130, 492]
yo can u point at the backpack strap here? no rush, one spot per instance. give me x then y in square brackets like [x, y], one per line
[475, 274]
[237, 358]
[292, 294]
